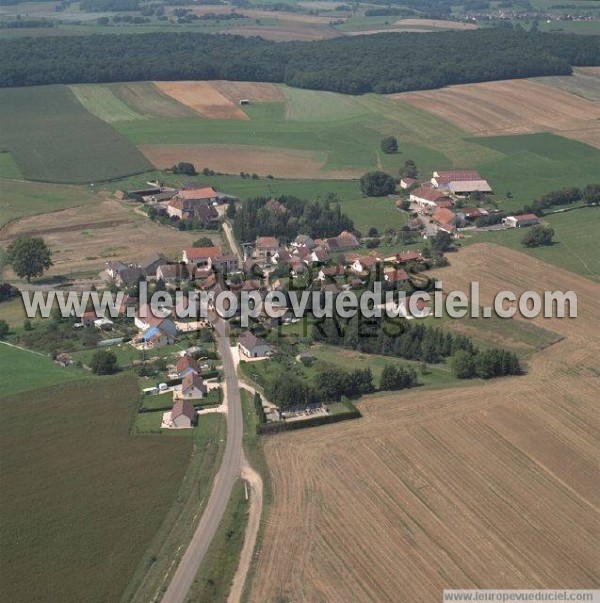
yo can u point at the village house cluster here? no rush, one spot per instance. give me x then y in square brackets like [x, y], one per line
[444, 202]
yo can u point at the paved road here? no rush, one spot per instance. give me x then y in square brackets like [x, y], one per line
[224, 481]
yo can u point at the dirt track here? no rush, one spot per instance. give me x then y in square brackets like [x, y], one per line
[491, 485]
[512, 107]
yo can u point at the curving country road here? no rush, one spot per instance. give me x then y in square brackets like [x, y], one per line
[224, 481]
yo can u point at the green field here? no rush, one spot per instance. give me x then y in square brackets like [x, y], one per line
[575, 246]
[8, 167]
[53, 138]
[82, 498]
[22, 370]
[19, 199]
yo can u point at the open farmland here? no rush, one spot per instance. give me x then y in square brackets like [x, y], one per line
[82, 498]
[512, 107]
[18, 199]
[52, 137]
[202, 98]
[584, 82]
[103, 103]
[231, 159]
[574, 248]
[427, 492]
[148, 100]
[82, 242]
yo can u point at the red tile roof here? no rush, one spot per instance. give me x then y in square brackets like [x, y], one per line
[267, 242]
[207, 192]
[185, 362]
[428, 193]
[446, 176]
[444, 216]
[198, 253]
[526, 217]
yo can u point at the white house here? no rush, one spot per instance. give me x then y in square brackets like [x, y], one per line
[520, 221]
[252, 346]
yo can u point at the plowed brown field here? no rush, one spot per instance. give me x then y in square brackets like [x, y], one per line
[253, 91]
[491, 485]
[202, 98]
[512, 107]
[233, 158]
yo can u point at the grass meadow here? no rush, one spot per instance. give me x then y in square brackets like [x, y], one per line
[22, 370]
[52, 137]
[575, 245]
[82, 498]
[19, 199]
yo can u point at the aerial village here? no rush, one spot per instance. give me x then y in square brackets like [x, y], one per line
[183, 348]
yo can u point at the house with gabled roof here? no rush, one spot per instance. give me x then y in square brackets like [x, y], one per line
[266, 247]
[187, 365]
[150, 264]
[427, 196]
[445, 219]
[200, 256]
[192, 388]
[157, 337]
[343, 242]
[129, 277]
[252, 346]
[182, 416]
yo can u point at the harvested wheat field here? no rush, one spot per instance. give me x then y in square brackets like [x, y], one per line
[202, 98]
[286, 33]
[491, 485]
[512, 107]
[256, 92]
[83, 241]
[233, 158]
[435, 24]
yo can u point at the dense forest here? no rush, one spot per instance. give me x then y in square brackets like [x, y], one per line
[388, 62]
[287, 217]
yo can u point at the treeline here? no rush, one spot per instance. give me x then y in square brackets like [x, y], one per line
[590, 195]
[100, 6]
[387, 62]
[414, 341]
[19, 23]
[331, 384]
[293, 216]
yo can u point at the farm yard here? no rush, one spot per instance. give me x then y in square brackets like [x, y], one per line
[437, 482]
